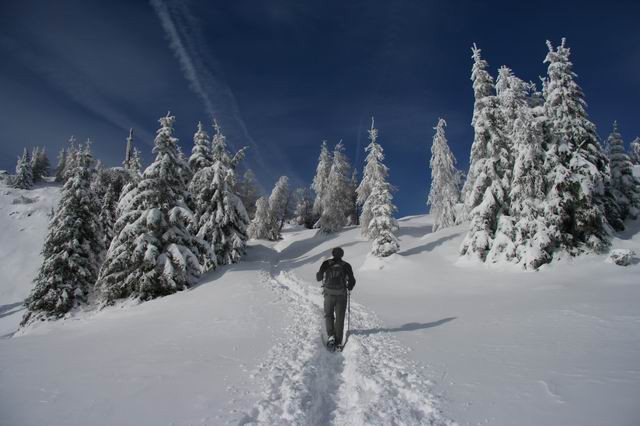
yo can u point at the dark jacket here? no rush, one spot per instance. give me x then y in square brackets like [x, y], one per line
[351, 280]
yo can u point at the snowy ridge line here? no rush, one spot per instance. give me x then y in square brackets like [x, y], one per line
[371, 382]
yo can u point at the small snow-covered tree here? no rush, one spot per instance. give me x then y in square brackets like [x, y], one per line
[578, 172]
[444, 194]
[247, 189]
[72, 250]
[279, 201]
[260, 227]
[24, 175]
[154, 252]
[62, 159]
[221, 218]
[201, 152]
[319, 184]
[135, 166]
[489, 176]
[374, 171]
[634, 151]
[336, 200]
[626, 187]
[304, 208]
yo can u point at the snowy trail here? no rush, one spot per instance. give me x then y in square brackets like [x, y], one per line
[371, 382]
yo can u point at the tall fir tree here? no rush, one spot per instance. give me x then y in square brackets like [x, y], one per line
[634, 151]
[72, 250]
[260, 226]
[444, 193]
[201, 152]
[578, 169]
[626, 187]
[335, 198]
[24, 175]
[319, 184]
[221, 218]
[374, 171]
[154, 252]
[488, 181]
[39, 164]
[353, 214]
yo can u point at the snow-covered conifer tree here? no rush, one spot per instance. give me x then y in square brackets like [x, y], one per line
[382, 223]
[108, 215]
[319, 184]
[201, 152]
[39, 164]
[72, 249]
[304, 208]
[247, 190]
[260, 227]
[154, 252]
[62, 159]
[444, 194]
[578, 172]
[135, 166]
[221, 218]
[483, 89]
[374, 171]
[353, 214]
[487, 186]
[531, 235]
[634, 151]
[626, 187]
[279, 201]
[24, 175]
[335, 199]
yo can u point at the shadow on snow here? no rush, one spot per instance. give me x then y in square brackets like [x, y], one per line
[411, 326]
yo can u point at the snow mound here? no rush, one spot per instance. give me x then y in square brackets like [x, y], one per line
[621, 257]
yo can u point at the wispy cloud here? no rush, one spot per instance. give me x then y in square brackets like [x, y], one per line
[203, 72]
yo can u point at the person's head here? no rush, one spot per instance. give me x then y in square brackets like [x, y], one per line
[337, 253]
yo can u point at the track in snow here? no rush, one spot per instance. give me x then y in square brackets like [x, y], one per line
[370, 382]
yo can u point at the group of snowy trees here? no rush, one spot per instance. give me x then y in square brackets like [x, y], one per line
[539, 181]
[30, 168]
[122, 233]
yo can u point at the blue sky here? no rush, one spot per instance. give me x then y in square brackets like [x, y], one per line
[281, 76]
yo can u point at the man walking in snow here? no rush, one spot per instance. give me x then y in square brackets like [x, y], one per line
[337, 280]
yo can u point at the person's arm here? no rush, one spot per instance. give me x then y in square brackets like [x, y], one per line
[351, 280]
[320, 273]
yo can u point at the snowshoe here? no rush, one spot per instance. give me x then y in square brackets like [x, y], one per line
[331, 344]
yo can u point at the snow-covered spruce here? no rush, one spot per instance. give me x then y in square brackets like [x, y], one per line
[335, 199]
[444, 194]
[634, 151]
[108, 215]
[201, 152]
[530, 229]
[260, 226]
[247, 189]
[319, 183]
[24, 175]
[154, 252]
[72, 250]
[578, 169]
[353, 216]
[221, 218]
[482, 88]
[39, 164]
[489, 176]
[303, 212]
[626, 187]
[279, 202]
[62, 159]
[374, 171]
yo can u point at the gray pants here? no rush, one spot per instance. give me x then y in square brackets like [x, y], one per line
[337, 304]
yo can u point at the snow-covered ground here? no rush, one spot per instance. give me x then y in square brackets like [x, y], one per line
[431, 340]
